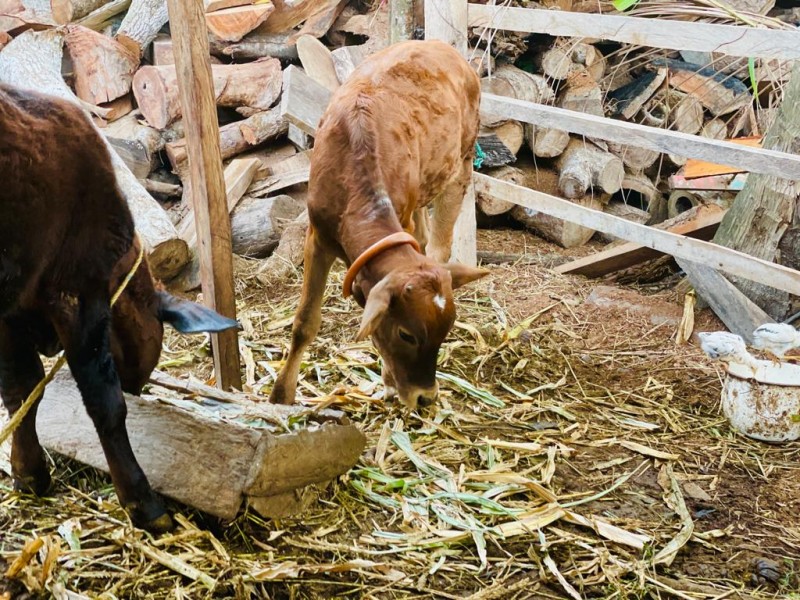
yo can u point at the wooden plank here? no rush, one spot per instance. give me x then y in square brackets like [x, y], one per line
[304, 100]
[238, 176]
[740, 314]
[719, 257]
[733, 40]
[446, 20]
[205, 453]
[196, 87]
[753, 160]
[317, 61]
[629, 254]
[701, 168]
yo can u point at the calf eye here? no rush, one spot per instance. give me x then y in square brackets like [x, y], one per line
[407, 337]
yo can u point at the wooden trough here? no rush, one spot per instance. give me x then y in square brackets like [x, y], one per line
[210, 449]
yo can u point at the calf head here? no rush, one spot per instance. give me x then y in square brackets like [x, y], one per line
[409, 313]
[137, 323]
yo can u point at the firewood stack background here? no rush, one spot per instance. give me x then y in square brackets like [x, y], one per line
[117, 59]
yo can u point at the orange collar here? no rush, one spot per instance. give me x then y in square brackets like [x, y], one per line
[390, 241]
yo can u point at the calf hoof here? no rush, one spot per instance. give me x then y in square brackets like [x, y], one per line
[279, 396]
[152, 516]
[38, 484]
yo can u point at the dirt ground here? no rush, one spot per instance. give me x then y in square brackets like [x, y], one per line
[589, 458]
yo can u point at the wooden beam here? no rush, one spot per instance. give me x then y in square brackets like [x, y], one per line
[754, 160]
[304, 100]
[718, 257]
[446, 20]
[733, 40]
[401, 20]
[187, 21]
[626, 255]
[740, 314]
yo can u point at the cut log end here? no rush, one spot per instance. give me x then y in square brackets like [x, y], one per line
[168, 258]
[152, 96]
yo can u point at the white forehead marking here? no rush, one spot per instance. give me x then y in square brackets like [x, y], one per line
[439, 301]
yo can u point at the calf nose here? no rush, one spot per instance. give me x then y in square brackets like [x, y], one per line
[419, 396]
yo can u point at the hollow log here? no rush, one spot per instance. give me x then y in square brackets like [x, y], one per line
[584, 165]
[66, 11]
[253, 85]
[680, 201]
[236, 137]
[257, 223]
[33, 61]
[103, 68]
[141, 24]
[232, 24]
[639, 187]
[492, 206]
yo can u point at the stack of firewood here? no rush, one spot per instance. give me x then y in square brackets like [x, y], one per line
[119, 65]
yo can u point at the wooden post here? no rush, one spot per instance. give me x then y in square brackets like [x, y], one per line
[401, 20]
[447, 20]
[190, 46]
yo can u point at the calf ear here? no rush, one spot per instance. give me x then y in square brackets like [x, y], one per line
[375, 309]
[463, 274]
[191, 317]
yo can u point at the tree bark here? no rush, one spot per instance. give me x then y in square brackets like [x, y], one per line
[253, 85]
[33, 61]
[141, 24]
[765, 211]
[66, 11]
[584, 165]
[257, 223]
[236, 137]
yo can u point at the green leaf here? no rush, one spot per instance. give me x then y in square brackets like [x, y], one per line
[623, 5]
[482, 395]
[751, 69]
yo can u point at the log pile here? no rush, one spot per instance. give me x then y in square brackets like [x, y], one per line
[119, 66]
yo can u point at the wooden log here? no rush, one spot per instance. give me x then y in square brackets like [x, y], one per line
[253, 85]
[161, 189]
[491, 151]
[583, 165]
[257, 223]
[33, 61]
[629, 99]
[401, 20]
[556, 63]
[619, 208]
[563, 233]
[320, 22]
[103, 17]
[497, 206]
[581, 93]
[206, 183]
[141, 24]
[232, 24]
[237, 177]
[4, 39]
[66, 11]
[235, 138]
[317, 61]
[638, 188]
[700, 223]
[257, 45]
[719, 93]
[212, 5]
[686, 114]
[103, 68]
[288, 256]
[635, 159]
[510, 133]
[137, 144]
[169, 435]
[303, 100]
[289, 14]
[781, 164]
[545, 142]
[346, 59]
[764, 212]
[373, 25]
[680, 201]
[714, 129]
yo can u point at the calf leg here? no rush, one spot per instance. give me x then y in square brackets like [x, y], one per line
[307, 319]
[20, 371]
[84, 330]
[445, 213]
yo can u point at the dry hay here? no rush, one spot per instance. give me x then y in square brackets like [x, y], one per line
[576, 452]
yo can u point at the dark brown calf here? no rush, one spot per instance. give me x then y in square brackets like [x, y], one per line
[66, 244]
[397, 136]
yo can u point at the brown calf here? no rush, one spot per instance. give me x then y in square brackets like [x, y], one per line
[397, 136]
[66, 244]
